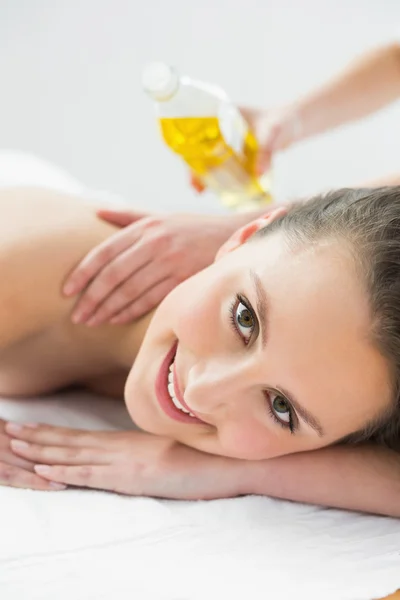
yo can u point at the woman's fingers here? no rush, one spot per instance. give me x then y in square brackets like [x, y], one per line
[17, 461]
[92, 476]
[96, 259]
[13, 476]
[142, 305]
[59, 455]
[49, 435]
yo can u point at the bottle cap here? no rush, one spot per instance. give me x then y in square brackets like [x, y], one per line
[160, 81]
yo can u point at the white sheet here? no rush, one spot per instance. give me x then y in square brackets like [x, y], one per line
[87, 545]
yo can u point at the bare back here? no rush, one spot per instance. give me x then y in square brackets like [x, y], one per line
[43, 235]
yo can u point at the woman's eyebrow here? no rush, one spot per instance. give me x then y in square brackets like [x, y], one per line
[262, 310]
[305, 414]
[262, 305]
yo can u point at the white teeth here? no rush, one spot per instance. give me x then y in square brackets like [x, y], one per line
[177, 404]
[171, 391]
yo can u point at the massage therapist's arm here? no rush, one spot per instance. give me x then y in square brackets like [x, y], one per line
[384, 181]
[365, 86]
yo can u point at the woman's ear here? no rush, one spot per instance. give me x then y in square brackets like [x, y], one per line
[242, 235]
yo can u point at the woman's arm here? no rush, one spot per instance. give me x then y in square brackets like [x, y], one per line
[364, 478]
[368, 84]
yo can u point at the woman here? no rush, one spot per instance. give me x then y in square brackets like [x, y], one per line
[287, 344]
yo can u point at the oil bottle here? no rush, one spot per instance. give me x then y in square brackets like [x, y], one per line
[201, 125]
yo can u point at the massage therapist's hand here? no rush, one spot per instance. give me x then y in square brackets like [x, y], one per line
[127, 462]
[16, 471]
[132, 271]
[275, 129]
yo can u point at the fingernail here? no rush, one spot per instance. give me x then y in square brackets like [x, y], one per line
[19, 445]
[78, 318]
[14, 427]
[68, 289]
[57, 486]
[18, 427]
[42, 469]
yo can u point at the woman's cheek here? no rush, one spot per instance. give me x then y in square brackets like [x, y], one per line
[248, 441]
[198, 322]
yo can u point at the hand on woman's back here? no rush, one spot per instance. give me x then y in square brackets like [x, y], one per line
[131, 272]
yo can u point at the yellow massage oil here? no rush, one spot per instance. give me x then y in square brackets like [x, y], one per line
[201, 125]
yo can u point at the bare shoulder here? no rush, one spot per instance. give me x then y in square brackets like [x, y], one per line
[43, 234]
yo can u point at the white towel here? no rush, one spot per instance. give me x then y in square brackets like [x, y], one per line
[83, 545]
[88, 545]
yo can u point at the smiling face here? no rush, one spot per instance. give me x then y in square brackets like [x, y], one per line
[268, 348]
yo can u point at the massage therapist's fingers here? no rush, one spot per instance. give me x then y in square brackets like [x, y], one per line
[141, 248]
[97, 258]
[58, 436]
[139, 284]
[121, 218]
[142, 305]
[265, 132]
[120, 282]
[13, 476]
[196, 183]
[275, 129]
[59, 455]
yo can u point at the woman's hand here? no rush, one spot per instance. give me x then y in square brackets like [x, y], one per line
[132, 271]
[127, 462]
[16, 471]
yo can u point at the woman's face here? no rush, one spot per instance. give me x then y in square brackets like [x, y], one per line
[268, 349]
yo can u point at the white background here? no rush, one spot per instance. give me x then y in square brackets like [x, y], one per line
[71, 84]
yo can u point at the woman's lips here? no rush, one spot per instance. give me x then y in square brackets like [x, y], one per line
[162, 394]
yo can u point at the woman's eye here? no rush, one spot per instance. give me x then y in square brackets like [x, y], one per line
[281, 408]
[244, 321]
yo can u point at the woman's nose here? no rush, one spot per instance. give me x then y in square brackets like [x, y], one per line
[215, 384]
